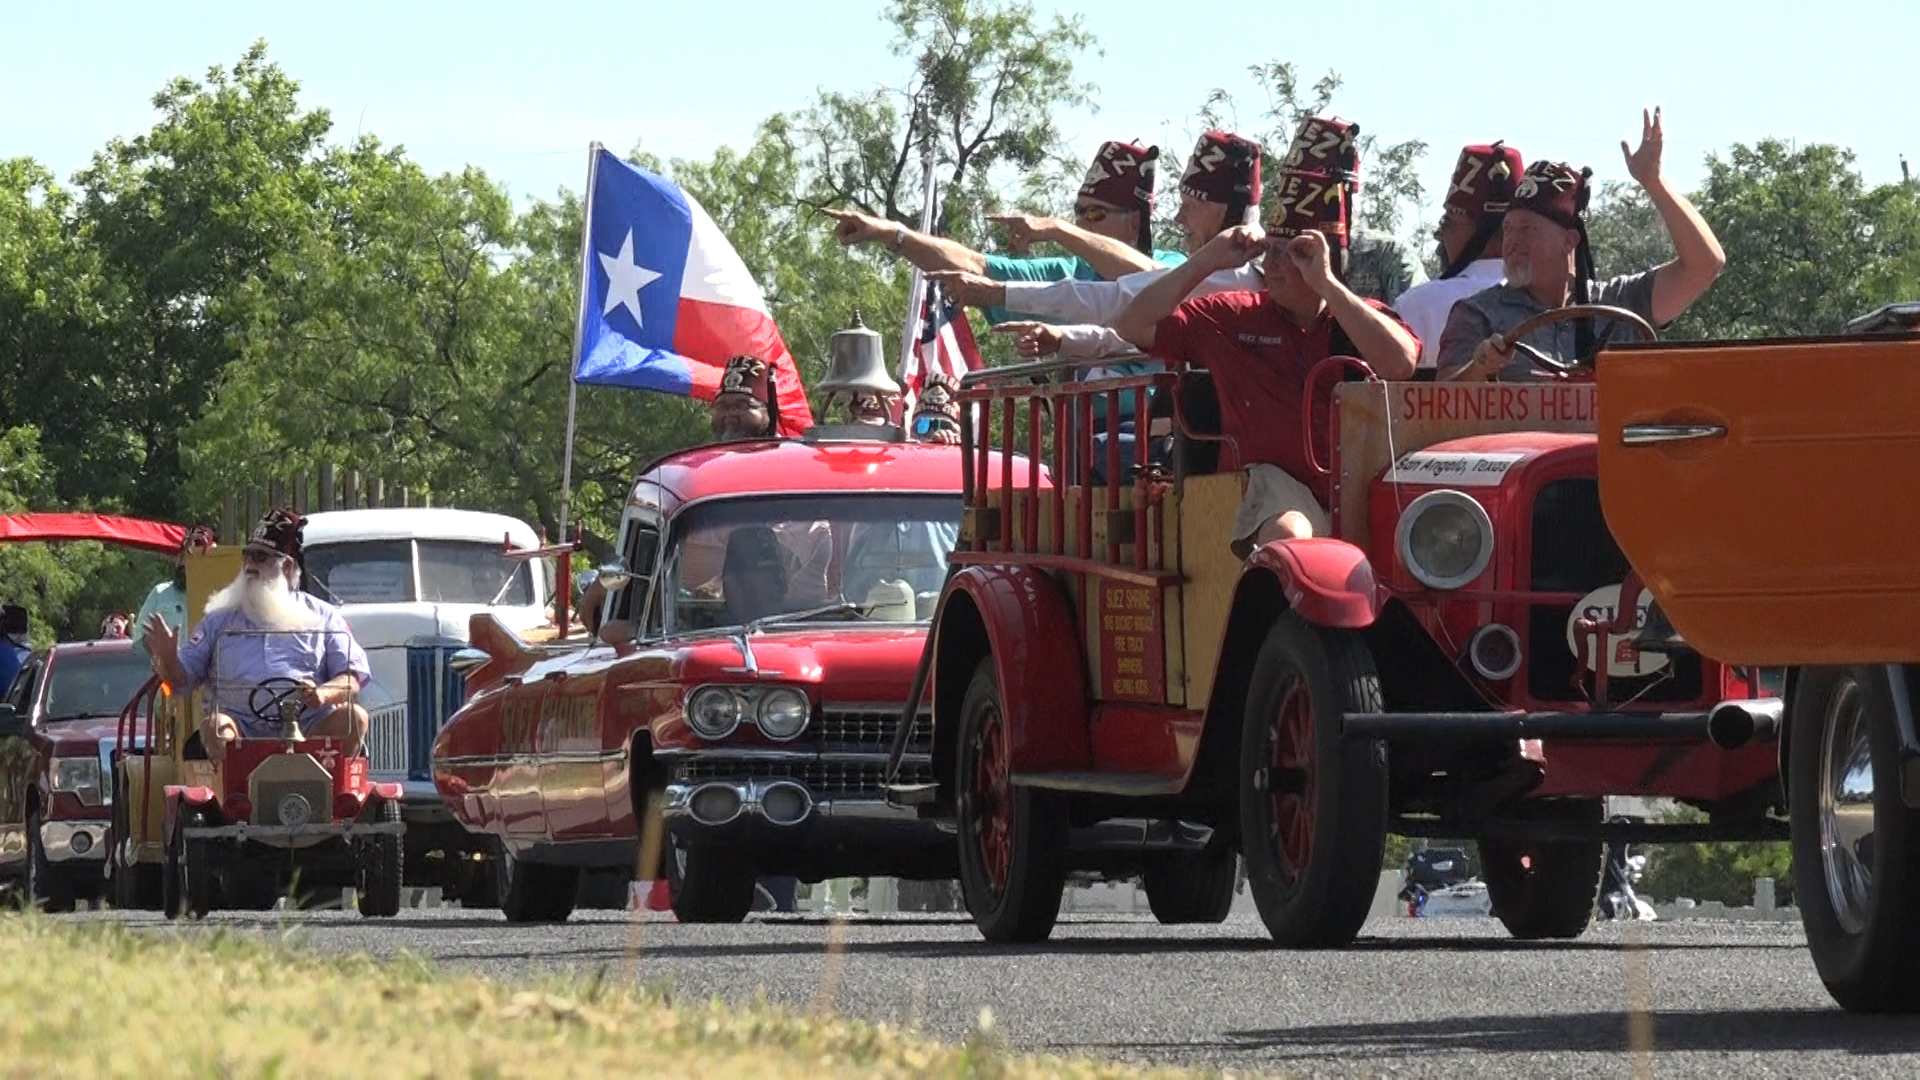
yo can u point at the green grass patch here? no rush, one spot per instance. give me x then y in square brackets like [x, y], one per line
[93, 999]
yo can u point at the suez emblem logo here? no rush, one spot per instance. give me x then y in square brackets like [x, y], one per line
[1452, 470]
[1624, 660]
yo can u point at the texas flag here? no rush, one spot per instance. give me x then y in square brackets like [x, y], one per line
[665, 300]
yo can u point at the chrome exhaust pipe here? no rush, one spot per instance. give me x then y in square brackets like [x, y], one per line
[1732, 725]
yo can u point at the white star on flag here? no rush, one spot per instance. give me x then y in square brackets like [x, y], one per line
[625, 279]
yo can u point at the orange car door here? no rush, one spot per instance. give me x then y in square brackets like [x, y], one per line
[1766, 491]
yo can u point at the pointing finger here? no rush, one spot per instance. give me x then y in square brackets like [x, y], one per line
[1016, 327]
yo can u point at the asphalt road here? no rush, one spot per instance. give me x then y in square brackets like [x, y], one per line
[1413, 997]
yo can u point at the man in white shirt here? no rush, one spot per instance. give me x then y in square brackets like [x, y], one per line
[1469, 234]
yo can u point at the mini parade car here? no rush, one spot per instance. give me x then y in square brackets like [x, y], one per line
[770, 602]
[1468, 655]
[1765, 490]
[280, 816]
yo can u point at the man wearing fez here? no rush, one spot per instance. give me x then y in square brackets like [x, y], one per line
[745, 407]
[1260, 346]
[262, 632]
[1379, 265]
[1482, 187]
[1111, 234]
[1549, 264]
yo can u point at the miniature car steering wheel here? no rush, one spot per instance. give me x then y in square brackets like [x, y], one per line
[268, 697]
[1578, 365]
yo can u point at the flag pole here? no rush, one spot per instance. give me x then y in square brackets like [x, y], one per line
[579, 328]
[917, 293]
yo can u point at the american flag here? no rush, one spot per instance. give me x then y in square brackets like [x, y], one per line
[944, 342]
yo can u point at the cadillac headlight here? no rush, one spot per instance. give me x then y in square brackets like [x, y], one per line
[783, 713]
[79, 776]
[1445, 538]
[713, 712]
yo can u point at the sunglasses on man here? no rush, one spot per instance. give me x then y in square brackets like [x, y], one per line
[259, 557]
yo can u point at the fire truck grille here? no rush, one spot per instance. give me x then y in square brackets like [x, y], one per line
[824, 779]
[872, 726]
[1574, 552]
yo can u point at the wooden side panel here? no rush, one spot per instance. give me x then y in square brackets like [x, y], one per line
[1790, 538]
[1379, 423]
[1205, 509]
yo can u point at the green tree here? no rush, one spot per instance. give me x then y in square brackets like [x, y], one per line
[182, 218]
[1724, 872]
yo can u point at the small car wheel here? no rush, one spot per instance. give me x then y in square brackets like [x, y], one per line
[1013, 840]
[382, 866]
[1192, 887]
[1313, 807]
[1546, 889]
[1856, 844]
[49, 888]
[708, 885]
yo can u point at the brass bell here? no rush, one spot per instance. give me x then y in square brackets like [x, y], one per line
[856, 364]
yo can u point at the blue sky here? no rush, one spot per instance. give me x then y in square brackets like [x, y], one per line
[520, 94]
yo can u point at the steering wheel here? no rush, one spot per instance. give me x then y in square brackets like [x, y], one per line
[1578, 365]
[270, 696]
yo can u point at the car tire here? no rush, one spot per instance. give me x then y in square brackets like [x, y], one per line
[1192, 887]
[604, 890]
[708, 885]
[1857, 905]
[189, 868]
[380, 876]
[535, 892]
[1013, 840]
[50, 888]
[1542, 890]
[136, 886]
[1313, 807]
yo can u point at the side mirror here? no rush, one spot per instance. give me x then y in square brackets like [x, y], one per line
[12, 724]
[614, 576]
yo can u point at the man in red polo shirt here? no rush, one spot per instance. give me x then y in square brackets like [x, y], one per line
[1259, 346]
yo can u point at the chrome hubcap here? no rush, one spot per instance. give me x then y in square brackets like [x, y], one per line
[1846, 805]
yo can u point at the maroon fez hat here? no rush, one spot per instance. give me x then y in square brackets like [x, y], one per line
[1122, 175]
[1555, 191]
[1484, 178]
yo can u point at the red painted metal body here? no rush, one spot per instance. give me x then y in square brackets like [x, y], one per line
[352, 790]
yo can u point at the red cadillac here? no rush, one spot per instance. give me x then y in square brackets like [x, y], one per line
[767, 613]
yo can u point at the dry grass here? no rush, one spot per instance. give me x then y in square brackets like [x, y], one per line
[99, 1000]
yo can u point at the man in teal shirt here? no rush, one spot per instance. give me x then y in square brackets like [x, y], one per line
[1111, 233]
[169, 598]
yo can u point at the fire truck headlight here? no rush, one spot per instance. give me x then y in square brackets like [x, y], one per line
[783, 713]
[1446, 539]
[713, 712]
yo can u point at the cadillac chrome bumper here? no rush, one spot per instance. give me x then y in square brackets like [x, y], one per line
[72, 841]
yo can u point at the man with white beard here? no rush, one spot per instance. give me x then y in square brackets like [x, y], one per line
[260, 631]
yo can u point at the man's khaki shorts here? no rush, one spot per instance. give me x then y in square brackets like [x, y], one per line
[1271, 491]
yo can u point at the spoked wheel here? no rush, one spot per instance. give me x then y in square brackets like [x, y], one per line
[1013, 840]
[1313, 808]
[707, 885]
[1856, 845]
[1546, 889]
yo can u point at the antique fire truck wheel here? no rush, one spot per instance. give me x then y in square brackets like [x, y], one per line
[1192, 888]
[189, 880]
[1856, 845]
[381, 862]
[535, 892]
[49, 887]
[707, 885]
[1313, 809]
[1546, 889]
[1013, 840]
[132, 886]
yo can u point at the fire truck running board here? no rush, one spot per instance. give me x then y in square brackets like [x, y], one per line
[1093, 783]
[1584, 726]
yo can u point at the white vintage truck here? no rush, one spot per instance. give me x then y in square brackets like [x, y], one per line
[407, 580]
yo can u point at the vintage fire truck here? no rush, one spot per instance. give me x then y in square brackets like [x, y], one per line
[769, 604]
[1112, 687]
[276, 814]
[1765, 490]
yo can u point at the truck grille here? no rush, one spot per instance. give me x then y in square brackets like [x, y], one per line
[872, 727]
[823, 778]
[1574, 552]
[387, 740]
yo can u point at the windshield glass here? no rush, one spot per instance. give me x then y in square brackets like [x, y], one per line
[736, 561]
[94, 684]
[451, 572]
